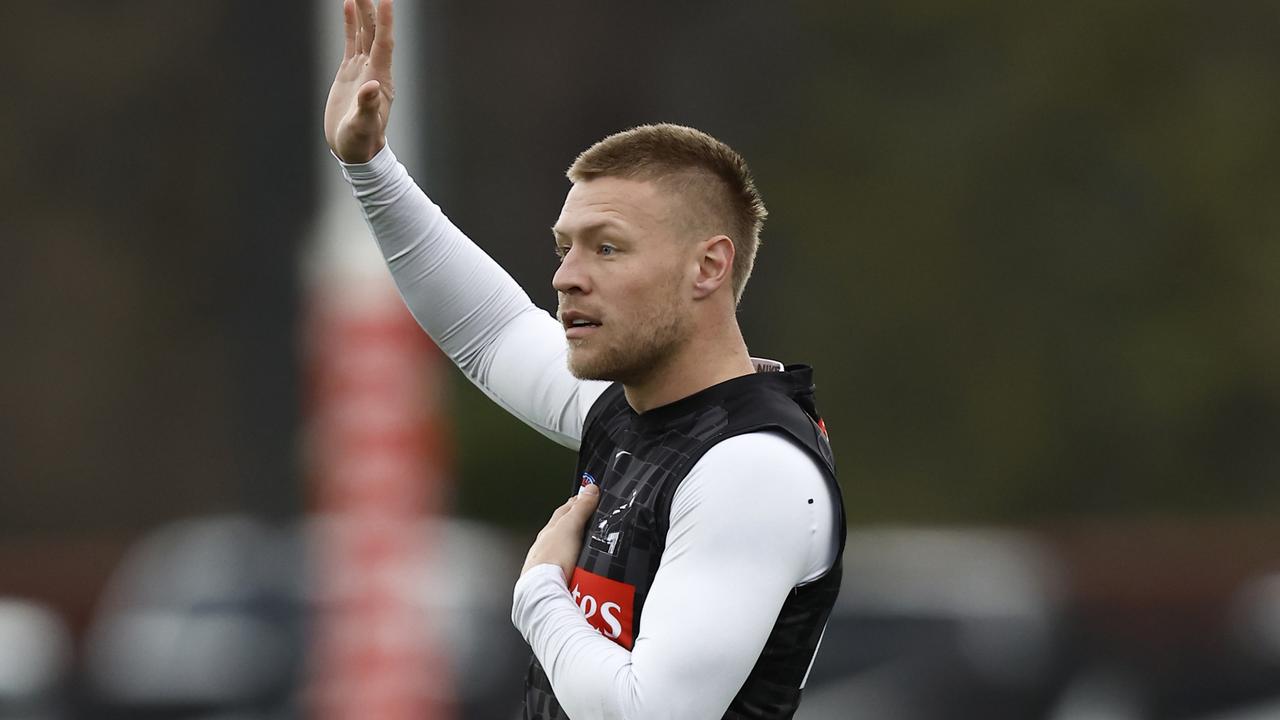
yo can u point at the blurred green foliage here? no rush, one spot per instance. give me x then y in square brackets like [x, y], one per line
[1032, 250]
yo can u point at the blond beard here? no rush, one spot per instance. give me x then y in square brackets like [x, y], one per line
[642, 352]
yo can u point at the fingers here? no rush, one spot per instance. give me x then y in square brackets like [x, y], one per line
[366, 14]
[383, 38]
[561, 540]
[349, 28]
[369, 30]
[560, 512]
[578, 508]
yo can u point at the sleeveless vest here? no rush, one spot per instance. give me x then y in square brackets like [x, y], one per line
[638, 461]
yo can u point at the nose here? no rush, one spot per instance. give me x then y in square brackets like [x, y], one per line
[571, 277]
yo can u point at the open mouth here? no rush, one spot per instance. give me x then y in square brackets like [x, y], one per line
[578, 324]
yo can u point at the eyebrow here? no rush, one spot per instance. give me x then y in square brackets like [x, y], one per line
[585, 230]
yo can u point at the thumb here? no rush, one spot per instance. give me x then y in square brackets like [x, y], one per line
[367, 96]
[584, 505]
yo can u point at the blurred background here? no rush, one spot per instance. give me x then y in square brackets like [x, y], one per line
[1031, 249]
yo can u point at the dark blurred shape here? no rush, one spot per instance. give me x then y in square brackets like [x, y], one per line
[940, 624]
[1255, 619]
[35, 661]
[208, 616]
[1103, 693]
[155, 185]
[1096, 622]
[1264, 711]
[203, 615]
[1156, 607]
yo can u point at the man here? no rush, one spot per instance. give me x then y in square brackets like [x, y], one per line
[693, 573]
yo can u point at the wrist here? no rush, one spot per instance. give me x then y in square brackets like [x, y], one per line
[381, 162]
[542, 567]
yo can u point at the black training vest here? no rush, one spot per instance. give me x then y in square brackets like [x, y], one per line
[638, 461]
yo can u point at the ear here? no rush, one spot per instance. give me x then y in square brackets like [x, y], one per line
[715, 266]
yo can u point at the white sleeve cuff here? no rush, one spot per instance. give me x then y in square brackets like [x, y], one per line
[380, 164]
[541, 585]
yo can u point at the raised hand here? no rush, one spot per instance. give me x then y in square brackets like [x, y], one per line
[355, 117]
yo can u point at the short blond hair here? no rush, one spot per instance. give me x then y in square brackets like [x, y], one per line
[697, 165]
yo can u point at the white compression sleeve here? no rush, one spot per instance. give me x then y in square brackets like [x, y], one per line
[743, 534]
[477, 314]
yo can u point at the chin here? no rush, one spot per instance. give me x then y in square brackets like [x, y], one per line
[630, 364]
[628, 371]
[600, 363]
[585, 369]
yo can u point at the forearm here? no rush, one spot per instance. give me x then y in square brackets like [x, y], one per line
[469, 305]
[459, 295]
[704, 627]
[591, 675]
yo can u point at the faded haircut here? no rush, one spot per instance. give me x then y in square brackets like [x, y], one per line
[692, 164]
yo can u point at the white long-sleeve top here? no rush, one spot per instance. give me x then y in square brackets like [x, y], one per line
[739, 538]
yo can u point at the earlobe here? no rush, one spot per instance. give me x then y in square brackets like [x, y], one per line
[715, 266]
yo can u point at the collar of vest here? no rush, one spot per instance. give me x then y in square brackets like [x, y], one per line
[791, 381]
[767, 365]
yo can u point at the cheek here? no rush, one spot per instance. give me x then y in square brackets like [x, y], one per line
[643, 289]
[684, 274]
[660, 294]
[679, 281]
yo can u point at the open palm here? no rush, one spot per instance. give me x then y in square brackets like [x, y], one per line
[355, 117]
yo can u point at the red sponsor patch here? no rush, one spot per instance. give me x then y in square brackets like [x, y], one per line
[607, 604]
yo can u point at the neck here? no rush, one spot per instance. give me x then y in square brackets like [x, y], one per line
[709, 358]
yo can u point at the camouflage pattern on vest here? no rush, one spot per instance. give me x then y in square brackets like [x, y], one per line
[638, 461]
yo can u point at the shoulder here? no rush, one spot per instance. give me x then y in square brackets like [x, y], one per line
[760, 492]
[759, 451]
[758, 472]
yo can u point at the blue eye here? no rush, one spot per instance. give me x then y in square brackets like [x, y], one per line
[608, 249]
